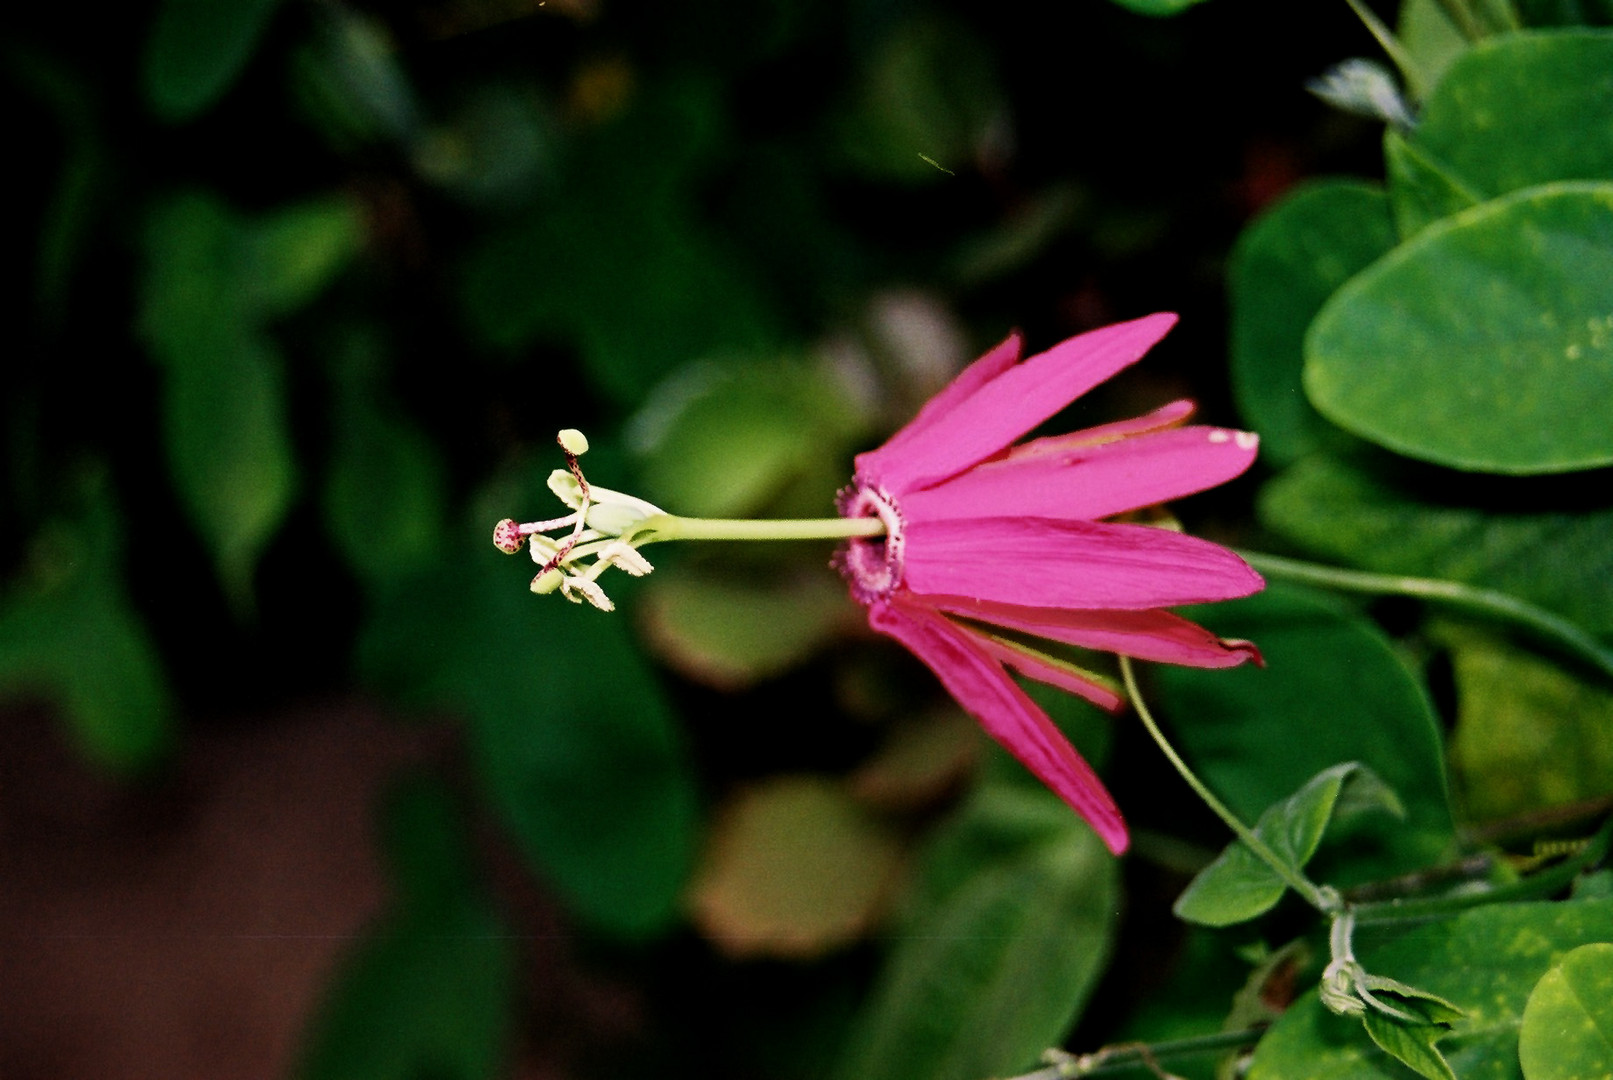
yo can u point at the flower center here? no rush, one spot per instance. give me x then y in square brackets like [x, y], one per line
[872, 565]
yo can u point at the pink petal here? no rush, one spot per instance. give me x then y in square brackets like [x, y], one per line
[1038, 562]
[984, 690]
[1034, 667]
[1000, 410]
[1090, 481]
[1166, 416]
[956, 392]
[1146, 635]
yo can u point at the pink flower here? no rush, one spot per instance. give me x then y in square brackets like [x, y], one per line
[981, 533]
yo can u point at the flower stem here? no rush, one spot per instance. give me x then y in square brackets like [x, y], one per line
[672, 527]
[1127, 1056]
[1469, 597]
[1296, 880]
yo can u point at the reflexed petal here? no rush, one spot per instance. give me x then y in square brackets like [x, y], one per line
[1145, 635]
[1002, 409]
[1065, 677]
[1087, 482]
[983, 688]
[955, 393]
[1166, 416]
[1037, 562]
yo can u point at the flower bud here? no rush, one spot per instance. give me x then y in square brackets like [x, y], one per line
[507, 536]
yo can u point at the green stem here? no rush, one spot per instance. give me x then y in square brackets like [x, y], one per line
[1468, 597]
[1388, 43]
[1113, 1059]
[1296, 880]
[1536, 885]
[671, 527]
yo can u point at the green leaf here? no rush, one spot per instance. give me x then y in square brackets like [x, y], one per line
[1411, 1044]
[229, 446]
[1561, 561]
[196, 51]
[1158, 8]
[1528, 733]
[1485, 961]
[1421, 189]
[290, 255]
[1512, 302]
[1509, 113]
[571, 737]
[1332, 690]
[1239, 886]
[1567, 1029]
[428, 991]
[1284, 267]
[726, 440]
[69, 634]
[1013, 925]
[211, 279]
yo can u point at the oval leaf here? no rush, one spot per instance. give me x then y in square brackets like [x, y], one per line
[1485, 342]
[1510, 112]
[196, 50]
[1567, 1029]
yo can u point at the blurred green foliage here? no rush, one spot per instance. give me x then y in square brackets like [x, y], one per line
[306, 289]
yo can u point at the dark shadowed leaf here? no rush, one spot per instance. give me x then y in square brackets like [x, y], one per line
[1282, 271]
[1012, 925]
[1560, 561]
[197, 49]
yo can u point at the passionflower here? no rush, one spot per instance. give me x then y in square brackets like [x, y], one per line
[988, 543]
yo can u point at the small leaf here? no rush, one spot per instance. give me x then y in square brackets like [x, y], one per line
[1411, 1044]
[1512, 303]
[1239, 886]
[794, 867]
[1567, 1029]
[229, 446]
[1013, 923]
[196, 51]
[1284, 267]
